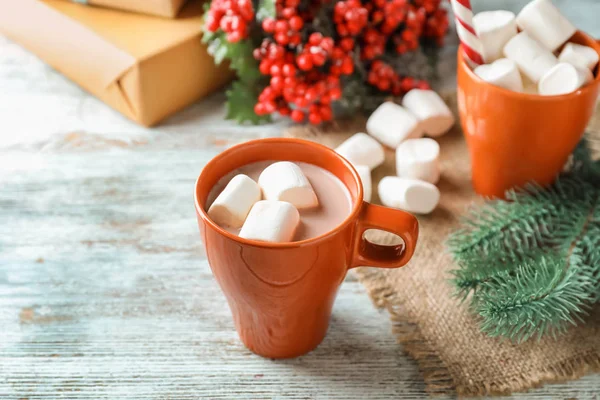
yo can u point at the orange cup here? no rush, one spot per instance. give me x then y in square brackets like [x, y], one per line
[516, 138]
[281, 294]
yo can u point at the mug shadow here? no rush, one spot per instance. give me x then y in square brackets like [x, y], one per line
[365, 356]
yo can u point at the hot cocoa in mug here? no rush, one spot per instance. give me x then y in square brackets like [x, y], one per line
[281, 293]
[334, 201]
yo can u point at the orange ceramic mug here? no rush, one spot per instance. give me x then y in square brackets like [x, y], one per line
[281, 294]
[516, 138]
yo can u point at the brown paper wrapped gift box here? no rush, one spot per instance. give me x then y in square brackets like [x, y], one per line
[163, 8]
[145, 67]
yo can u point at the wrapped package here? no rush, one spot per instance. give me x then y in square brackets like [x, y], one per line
[163, 8]
[145, 67]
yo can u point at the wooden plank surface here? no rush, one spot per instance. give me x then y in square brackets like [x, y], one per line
[105, 292]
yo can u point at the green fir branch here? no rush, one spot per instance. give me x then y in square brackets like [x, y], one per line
[475, 270]
[532, 263]
[504, 234]
[540, 298]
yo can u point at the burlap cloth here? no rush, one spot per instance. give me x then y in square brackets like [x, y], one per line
[438, 331]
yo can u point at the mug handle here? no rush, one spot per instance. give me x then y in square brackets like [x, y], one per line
[386, 219]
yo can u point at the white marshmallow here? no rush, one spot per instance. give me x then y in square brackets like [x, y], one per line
[495, 29]
[545, 23]
[564, 78]
[285, 181]
[365, 178]
[362, 149]
[580, 56]
[532, 58]
[503, 73]
[392, 123]
[435, 116]
[232, 205]
[418, 159]
[410, 195]
[271, 221]
[529, 87]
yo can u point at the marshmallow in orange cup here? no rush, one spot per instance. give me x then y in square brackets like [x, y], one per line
[271, 221]
[391, 123]
[579, 55]
[544, 22]
[564, 78]
[419, 159]
[434, 115]
[529, 87]
[232, 205]
[362, 149]
[503, 73]
[532, 58]
[495, 29]
[285, 181]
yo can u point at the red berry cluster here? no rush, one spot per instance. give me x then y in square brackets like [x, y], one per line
[315, 53]
[288, 24]
[350, 17]
[302, 85]
[383, 76]
[304, 78]
[374, 44]
[403, 23]
[436, 24]
[231, 16]
[408, 39]
[390, 14]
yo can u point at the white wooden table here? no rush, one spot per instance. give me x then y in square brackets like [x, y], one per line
[105, 292]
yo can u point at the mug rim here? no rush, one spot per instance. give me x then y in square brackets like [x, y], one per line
[462, 63]
[356, 206]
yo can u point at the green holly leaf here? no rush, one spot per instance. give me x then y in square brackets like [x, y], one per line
[241, 99]
[208, 36]
[242, 61]
[218, 49]
[243, 94]
[239, 55]
[266, 9]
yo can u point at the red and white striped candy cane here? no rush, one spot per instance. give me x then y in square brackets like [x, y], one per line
[463, 15]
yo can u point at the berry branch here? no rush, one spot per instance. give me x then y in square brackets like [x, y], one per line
[296, 57]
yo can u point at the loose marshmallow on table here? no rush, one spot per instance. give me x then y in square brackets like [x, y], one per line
[503, 73]
[392, 123]
[564, 78]
[232, 205]
[365, 178]
[434, 115]
[285, 181]
[495, 29]
[411, 195]
[578, 55]
[362, 149]
[532, 58]
[418, 159]
[545, 23]
[271, 221]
